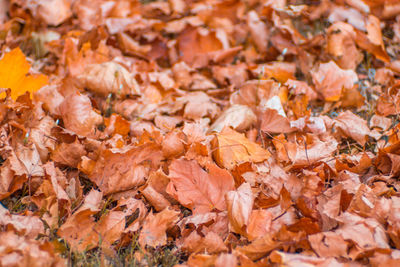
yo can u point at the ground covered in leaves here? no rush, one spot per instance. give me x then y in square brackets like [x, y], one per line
[199, 133]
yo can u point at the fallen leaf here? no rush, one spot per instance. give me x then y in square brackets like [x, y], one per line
[79, 116]
[197, 105]
[14, 70]
[109, 78]
[153, 232]
[259, 224]
[197, 189]
[291, 259]
[118, 170]
[232, 148]
[211, 243]
[273, 122]
[341, 45]
[372, 41]
[258, 31]
[330, 80]
[28, 226]
[309, 152]
[240, 205]
[353, 126]
[22, 251]
[53, 12]
[78, 228]
[239, 117]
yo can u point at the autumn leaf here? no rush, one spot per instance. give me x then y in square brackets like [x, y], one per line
[353, 126]
[199, 133]
[239, 117]
[23, 251]
[153, 233]
[14, 70]
[118, 170]
[197, 189]
[330, 80]
[232, 148]
[240, 204]
[78, 228]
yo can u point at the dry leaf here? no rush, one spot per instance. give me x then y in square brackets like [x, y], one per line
[240, 204]
[109, 78]
[153, 232]
[239, 117]
[22, 251]
[119, 170]
[78, 115]
[232, 148]
[353, 126]
[78, 228]
[14, 70]
[197, 189]
[330, 80]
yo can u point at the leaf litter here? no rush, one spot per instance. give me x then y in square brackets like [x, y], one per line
[199, 133]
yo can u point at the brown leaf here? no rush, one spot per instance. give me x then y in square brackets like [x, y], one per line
[341, 45]
[197, 105]
[153, 232]
[259, 247]
[353, 126]
[329, 80]
[122, 169]
[310, 151]
[233, 148]
[372, 41]
[291, 259]
[328, 244]
[240, 205]
[258, 30]
[195, 46]
[259, 224]
[197, 189]
[109, 77]
[273, 122]
[28, 226]
[54, 12]
[211, 243]
[23, 251]
[226, 260]
[78, 228]
[78, 115]
[69, 154]
[239, 117]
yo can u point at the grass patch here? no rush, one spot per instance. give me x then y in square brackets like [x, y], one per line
[132, 255]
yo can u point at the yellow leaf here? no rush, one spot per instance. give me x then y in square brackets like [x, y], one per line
[14, 70]
[233, 148]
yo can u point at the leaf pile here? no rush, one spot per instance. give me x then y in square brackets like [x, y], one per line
[227, 132]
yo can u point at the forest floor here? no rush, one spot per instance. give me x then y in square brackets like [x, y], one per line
[199, 133]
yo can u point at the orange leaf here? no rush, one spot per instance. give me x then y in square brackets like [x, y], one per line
[153, 232]
[13, 74]
[233, 148]
[197, 189]
[240, 204]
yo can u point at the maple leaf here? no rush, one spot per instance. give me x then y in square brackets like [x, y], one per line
[329, 80]
[29, 226]
[18, 250]
[240, 204]
[153, 232]
[232, 148]
[197, 189]
[121, 169]
[14, 70]
[353, 126]
[78, 228]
